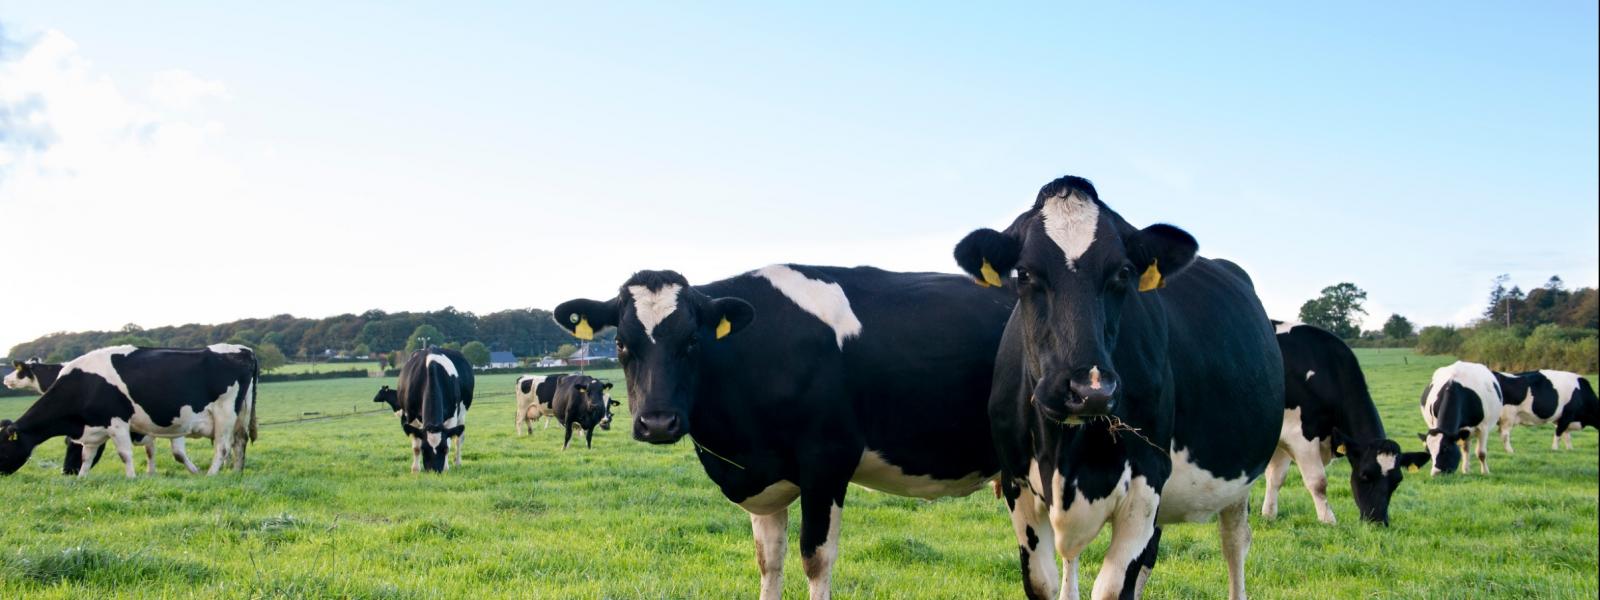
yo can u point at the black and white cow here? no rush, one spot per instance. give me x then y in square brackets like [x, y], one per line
[435, 393]
[1539, 397]
[536, 395]
[38, 376]
[1328, 412]
[1137, 384]
[114, 393]
[1462, 401]
[581, 401]
[793, 381]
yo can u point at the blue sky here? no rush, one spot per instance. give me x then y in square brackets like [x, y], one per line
[339, 158]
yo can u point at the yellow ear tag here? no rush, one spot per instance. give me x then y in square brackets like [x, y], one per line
[1340, 449]
[1413, 468]
[583, 330]
[12, 437]
[1151, 279]
[724, 328]
[991, 278]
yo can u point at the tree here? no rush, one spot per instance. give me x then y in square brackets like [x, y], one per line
[476, 353]
[1398, 328]
[1496, 295]
[452, 346]
[269, 357]
[1335, 310]
[362, 350]
[1555, 284]
[565, 351]
[423, 334]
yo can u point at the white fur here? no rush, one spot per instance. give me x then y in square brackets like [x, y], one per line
[1071, 222]
[443, 361]
[876, 473]
[98, 362]
[1309, 374]
[19, 383]
[652, 308]
[1481, 381]
[434, 438]
[1194, 494]
[1286, 326]
[1386, 462]
[774, 498]
[825, 301]
[1311, 454]
[226, 348]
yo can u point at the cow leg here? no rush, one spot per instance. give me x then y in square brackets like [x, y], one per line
[1234, 525]
[149, 455]
[1483, 450]
[222, 439]
[522, 420]
[1133, 527]
[1466, 455]
[416, 454]
[180, 451]
[567, 440]
[1566, 437]
[124, 445]
[588, 437]
[90, 449]
[772, 543]
[1314, 473]
[820, 510]
[457, 443]
[1277, 472]
[1505, 436]
[1035, 541]
[1555, 441]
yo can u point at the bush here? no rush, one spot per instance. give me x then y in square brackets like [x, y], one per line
[1439, 340]
[346, 374]
[1517, 349]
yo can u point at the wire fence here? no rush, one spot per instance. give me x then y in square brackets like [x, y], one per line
[308, 417]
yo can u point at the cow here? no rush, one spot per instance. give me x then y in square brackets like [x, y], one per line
[39, 376]
[792, 381]
[581, 401]
[1462, 401]
[435, 392]
[113, 393]
[1545, 396]
[1328, 412]
[1136, 384]
[535, 395]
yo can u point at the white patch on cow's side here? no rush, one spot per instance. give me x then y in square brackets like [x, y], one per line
[876, 473]
[1309, 374]
[188, 422]
[1071, 222]
[443, 361]
[651, 308]
[1386, 462]
[1195, 494]
[1286, 326]
[98, 362]
[226, 348]
[825, 301]
[776, 497]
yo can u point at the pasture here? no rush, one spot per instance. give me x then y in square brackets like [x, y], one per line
[324, 367]
[328, 508]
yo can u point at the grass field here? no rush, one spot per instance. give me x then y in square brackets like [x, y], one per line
[328, 508]
[323, 367]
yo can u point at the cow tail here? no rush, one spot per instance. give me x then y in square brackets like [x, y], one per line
[255, 388]
[433, 399]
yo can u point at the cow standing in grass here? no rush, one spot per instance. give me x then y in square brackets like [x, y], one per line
[1327, 413]
[1460, 405]
[1539, 397]
[435, 392]
[39, 376]
[793, 381]
[114, 393]
[1119, 398]
[581, 401]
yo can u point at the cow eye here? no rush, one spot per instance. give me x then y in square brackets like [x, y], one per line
[1023, 276]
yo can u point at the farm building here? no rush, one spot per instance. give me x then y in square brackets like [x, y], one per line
[502, 360]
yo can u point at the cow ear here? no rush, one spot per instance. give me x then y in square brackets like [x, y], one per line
[615, 403]
[1160, 251]
[1422, 436]
[16, 364]
[1342, 444]
[608, 385]
[730, 315]
[584, 318]
[582, 387]
[988, 256]
[1413, 459]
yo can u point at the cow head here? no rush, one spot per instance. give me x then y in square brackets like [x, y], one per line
[15, 447]
[388, 396]
[595, 403]
[1376, 469]
[663, 328]
[23, 377]
[1076, 264]
[605, 422]
[1445, 449]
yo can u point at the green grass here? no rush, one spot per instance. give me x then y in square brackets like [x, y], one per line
[328, 508]
[323, 367]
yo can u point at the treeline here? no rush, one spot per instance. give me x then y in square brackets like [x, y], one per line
[524, 332]
[1547, 328]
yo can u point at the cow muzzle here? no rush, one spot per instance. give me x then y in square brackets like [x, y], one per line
[1091, 393]
[659, 427]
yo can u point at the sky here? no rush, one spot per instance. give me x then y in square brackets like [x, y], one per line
[168, 163]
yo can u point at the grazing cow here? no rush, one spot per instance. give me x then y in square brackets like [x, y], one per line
[793, 381]
[435, 393]
[1328, 412]
[1462, 401]
[112, 393]
[1137, 384]
[582, 402]
[38, 377]
[535, 396]
[1539, 397]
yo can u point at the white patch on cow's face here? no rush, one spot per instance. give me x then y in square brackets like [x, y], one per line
[1386, 462]
[226, 348]
[825, 301]
[1309, 374]
[1071, 222]
[98, 362]
[876, 473]
[443, 361]
[1286, 326]
[651, 308]
[776, 497]
[1194, 494]
[15, 382]
[434, 438]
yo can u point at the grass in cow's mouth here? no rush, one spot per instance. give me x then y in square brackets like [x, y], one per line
[329, 509]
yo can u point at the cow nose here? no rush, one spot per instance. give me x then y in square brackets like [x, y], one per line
[1092, 393]
[657, 428]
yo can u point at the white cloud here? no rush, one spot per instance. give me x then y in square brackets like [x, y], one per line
[180, 89]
